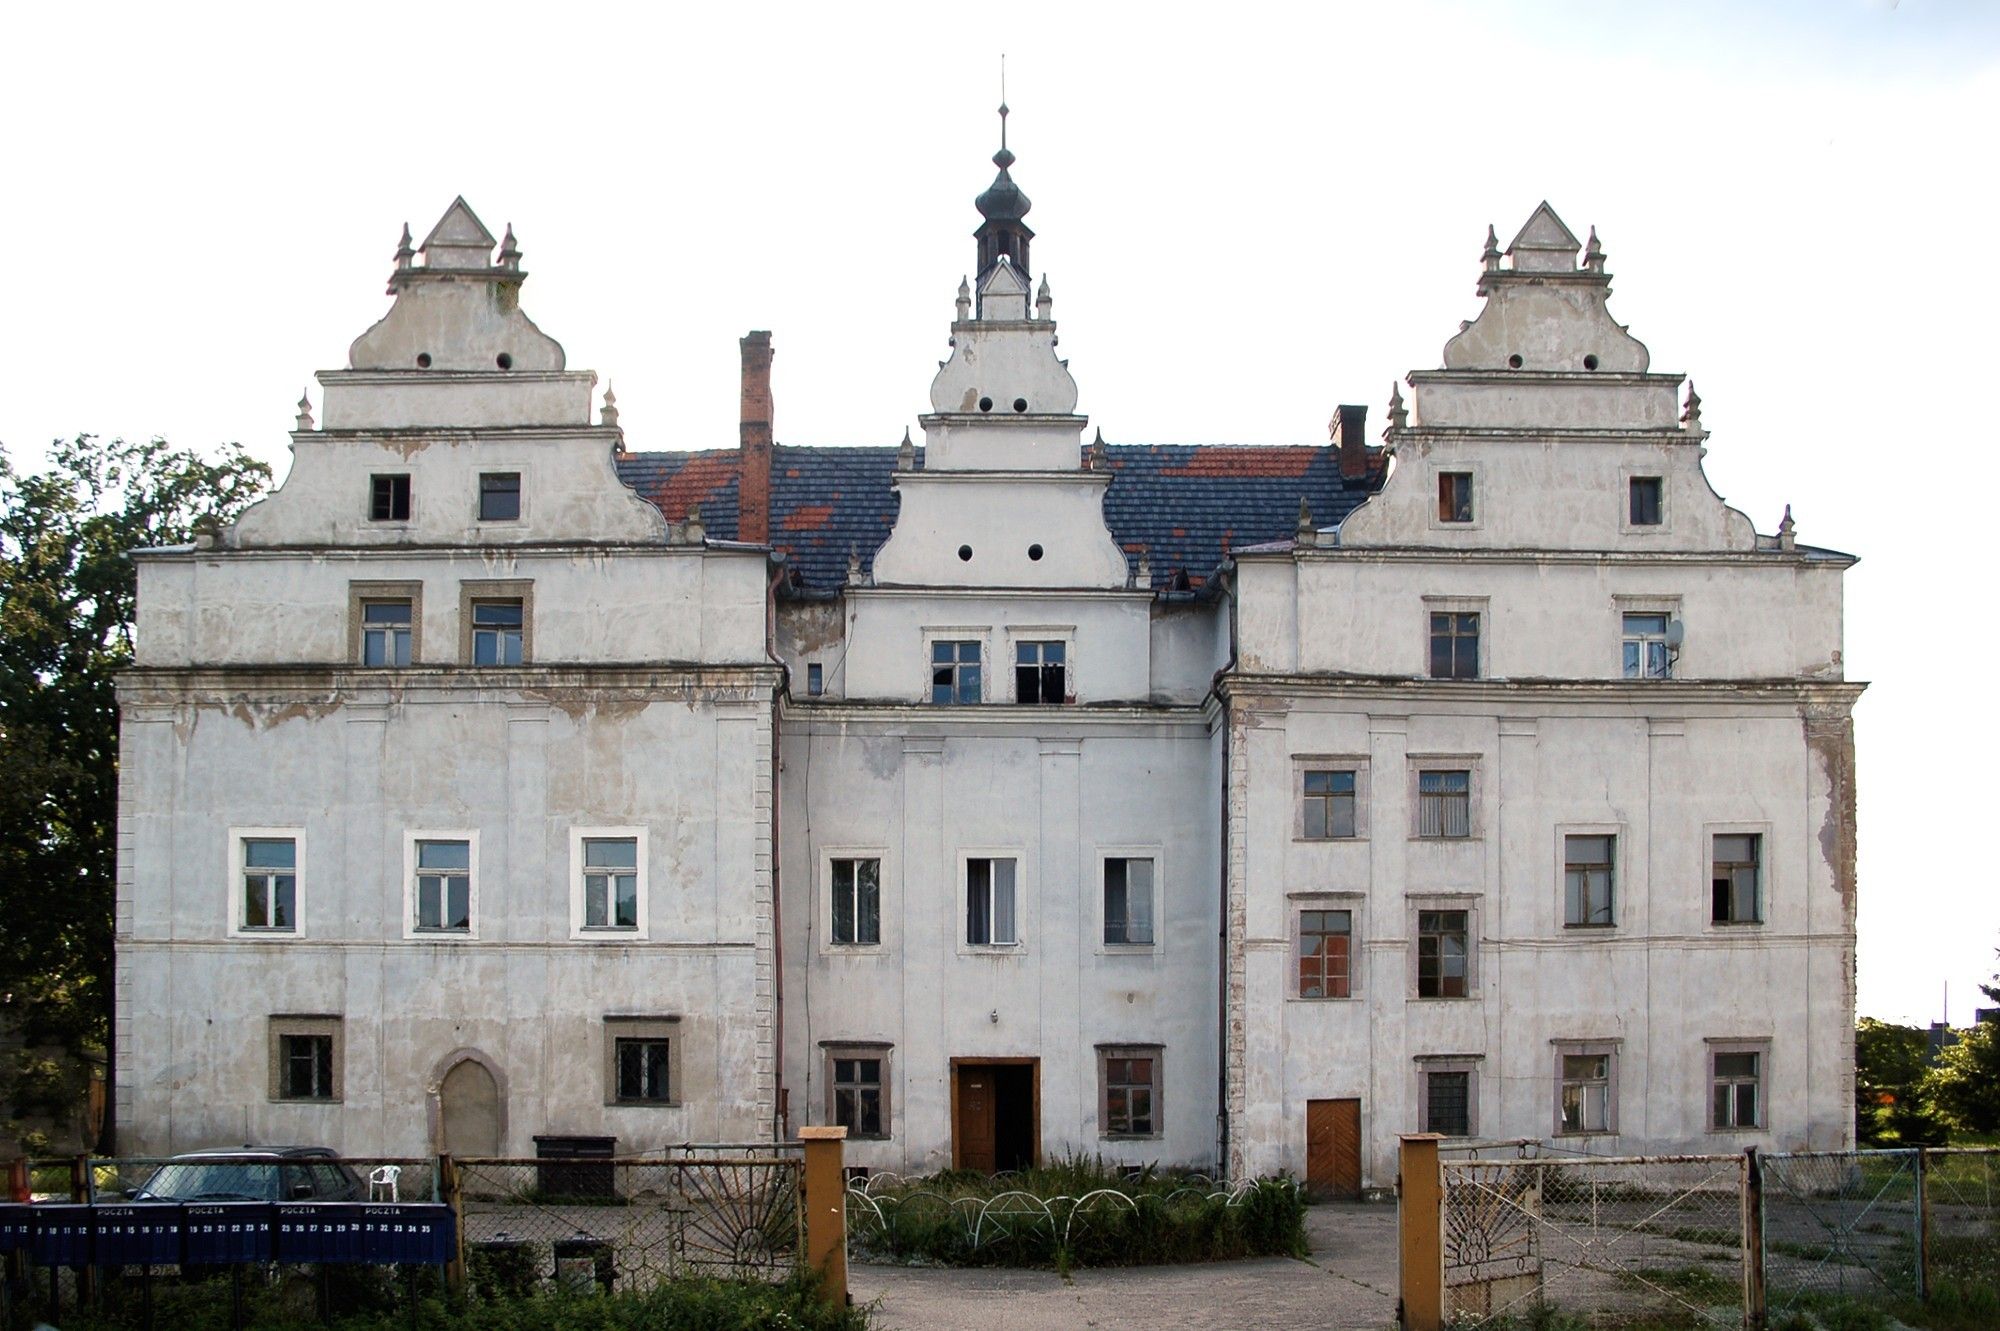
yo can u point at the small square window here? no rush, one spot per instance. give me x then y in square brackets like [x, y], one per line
[497, 633]
[1454, 496]
[389, 498]
[989, 903]
[1329, 804]
[858, 1091]
[1447, 1096]
[1736, 1087]
[1129, 1078]
[642, 1071]
[1587, 881]
[1041, 672]
[1326, 954]
[1444, 803]
[443, 890]
[955, 672]
[270, 884]
[1645, 647]
[1454, 645]
[1128, 903]
[386, 630]
[304, 1058]
[1645, 501]
[1444, 953]
[499, 496]
[1735, 878]
[610, 883]
[857, 902]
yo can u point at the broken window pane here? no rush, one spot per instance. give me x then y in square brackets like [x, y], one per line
[1734, 887]
[1040, 673]
[955, 672]
[1443, 948]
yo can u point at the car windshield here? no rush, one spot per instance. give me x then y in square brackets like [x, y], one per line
[196, 1181]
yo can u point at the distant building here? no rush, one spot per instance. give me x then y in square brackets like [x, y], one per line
[1001, 797]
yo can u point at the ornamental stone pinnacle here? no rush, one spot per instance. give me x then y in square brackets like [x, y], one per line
[305, 417]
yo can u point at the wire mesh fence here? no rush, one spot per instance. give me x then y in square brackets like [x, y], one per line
[1840, 1224]
[1962, 1220]
[1623, 1237]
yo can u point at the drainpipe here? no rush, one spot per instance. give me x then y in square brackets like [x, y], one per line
[780, 1101]
[1219, 689]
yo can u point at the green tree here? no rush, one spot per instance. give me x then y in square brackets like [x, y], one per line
[1890, 1106]
[67, 595]
[1965, 1084]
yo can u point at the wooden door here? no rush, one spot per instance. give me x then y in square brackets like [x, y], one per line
[469, 1111]
[1333, 1147]
[972, 1134]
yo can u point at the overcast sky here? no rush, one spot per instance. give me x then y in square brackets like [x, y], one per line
[1247, 215]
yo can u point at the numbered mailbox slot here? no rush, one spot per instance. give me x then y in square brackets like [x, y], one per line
[148, 1235]
[323, 1232]
[59, 1234]
[223, 1232]
[16, 1220]
[413, 1232]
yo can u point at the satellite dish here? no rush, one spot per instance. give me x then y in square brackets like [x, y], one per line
[1676, 634]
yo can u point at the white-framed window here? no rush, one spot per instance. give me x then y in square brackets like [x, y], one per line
[1586, 1087]
[1736, 1076]
[642, 1061]
[441, 884]
[854, 899]
[1041, 670]
[956, 671]
[304, 1057]
[1448, 1094]
[608, 882]
[1129, 1080]
[1129, 900]
[1590, 878]
[1324, 947]
[264, 897]
[992, 900]
[1644, 652]
[1736, 875]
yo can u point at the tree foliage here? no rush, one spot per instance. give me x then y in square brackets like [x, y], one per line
[1965, 1084]
[67, 594]
[1891, 1104]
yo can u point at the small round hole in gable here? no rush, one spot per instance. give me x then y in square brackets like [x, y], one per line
[1514, 361]
[1020, 404]
[965, 552]
[986, 404]
[1034, 552]
[1590, 362]
[504, 361]
[423, 360]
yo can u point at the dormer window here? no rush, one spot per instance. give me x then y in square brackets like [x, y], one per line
[389, 498]
[500, 496]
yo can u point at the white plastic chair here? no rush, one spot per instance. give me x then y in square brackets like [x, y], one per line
[383, 1177]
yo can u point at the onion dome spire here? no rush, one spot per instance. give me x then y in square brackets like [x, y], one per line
[1003, 205]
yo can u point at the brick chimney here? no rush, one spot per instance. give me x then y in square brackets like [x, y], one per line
[1350, 435]
[753, 486]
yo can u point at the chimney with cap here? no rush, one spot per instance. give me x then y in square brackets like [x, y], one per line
[1350, 434]
[753, 486]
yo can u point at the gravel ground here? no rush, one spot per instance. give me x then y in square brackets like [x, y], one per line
[1349, 1282]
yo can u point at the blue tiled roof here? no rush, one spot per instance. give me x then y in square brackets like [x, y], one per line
[1185, 506]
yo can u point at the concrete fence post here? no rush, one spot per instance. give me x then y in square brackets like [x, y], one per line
[1923, 1225]
[826, 1209]
[1420, 1240]
[452, 1194]
[1753, 1240]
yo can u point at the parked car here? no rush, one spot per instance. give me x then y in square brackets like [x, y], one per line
[254, 1174]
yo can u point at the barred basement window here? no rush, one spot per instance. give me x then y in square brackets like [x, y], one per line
[642, 1071]
[304, 1057]
[1448, 1103]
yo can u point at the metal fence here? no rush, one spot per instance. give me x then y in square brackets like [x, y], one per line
[1712, 1240]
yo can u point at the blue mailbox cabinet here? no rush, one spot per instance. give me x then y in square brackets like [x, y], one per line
[144, 1235]
[15, 1221]
[225, 1232]
[59, 1234]
[319, 1232]
[410, 1232]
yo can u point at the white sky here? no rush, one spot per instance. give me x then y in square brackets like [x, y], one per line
[1247, 214]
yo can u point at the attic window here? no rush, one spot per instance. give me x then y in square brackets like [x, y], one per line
[389, 498]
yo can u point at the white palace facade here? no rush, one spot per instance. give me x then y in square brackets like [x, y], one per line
[1001, 796]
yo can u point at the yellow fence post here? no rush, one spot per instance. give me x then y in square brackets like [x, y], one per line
[1420, 1223]
[826, 1209]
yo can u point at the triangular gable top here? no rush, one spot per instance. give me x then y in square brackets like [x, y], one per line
[458, 237]
[1004, 280]
[1544, 244]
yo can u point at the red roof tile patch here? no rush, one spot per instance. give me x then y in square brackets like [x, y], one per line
[808, 517]
[694, 483]
[1240, 461]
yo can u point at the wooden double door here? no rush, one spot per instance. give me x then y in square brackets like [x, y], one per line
[1333, 1148]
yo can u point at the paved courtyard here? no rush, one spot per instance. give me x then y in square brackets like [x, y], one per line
[1348, 1282]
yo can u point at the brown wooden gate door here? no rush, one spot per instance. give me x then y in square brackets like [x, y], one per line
[972, 1133]
[1333, 1147]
